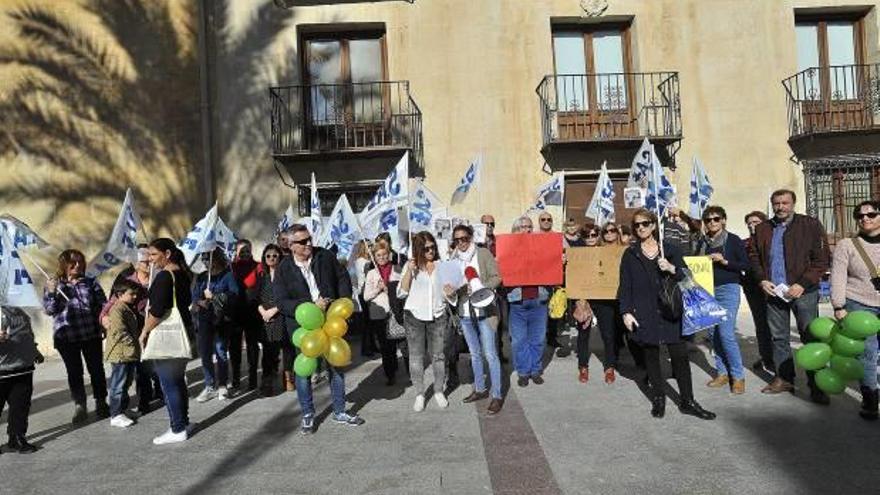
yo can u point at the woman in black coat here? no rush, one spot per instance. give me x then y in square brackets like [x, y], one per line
[642, 271]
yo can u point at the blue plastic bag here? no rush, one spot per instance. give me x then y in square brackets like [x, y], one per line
[701, 310]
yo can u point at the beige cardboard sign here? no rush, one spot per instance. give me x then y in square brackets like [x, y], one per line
[593, 272]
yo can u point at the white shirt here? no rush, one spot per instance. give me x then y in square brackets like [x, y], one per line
[425, 298]
[306, 268]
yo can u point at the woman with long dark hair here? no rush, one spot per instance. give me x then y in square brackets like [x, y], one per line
[74, 302]
[170, 289]
[644, 269]
[273, 337]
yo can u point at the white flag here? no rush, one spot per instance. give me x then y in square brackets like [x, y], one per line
[641, 166]
[380, 214]
[286, 221]
[601, 208]
[549, 194]
[121, 246]
[424, 207]
[210, 232]
[701, 189]
[16, 285]
[342, 229]
[226, 239]
[471, 177]
[21, 234]
[660, 192]
[315, 222]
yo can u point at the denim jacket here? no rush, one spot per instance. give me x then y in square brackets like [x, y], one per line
[514, 294]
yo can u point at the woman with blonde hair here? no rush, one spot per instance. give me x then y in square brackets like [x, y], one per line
[380, 295]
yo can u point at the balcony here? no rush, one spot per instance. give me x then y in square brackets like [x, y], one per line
[326, 123]
[601, 112]
[834, 110]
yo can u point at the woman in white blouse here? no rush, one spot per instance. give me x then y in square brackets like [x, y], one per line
[424, 317]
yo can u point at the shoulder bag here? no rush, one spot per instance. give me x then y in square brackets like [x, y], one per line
[169, 340]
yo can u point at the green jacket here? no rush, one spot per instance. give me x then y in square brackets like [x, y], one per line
[122, 335]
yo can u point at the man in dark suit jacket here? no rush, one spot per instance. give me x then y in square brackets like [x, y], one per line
[312, 274]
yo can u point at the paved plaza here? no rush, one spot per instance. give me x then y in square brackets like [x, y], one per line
[560, 437]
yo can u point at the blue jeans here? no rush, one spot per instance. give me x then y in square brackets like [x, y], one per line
[728, 360]
[869, 358]
[528, 329]
[212, 343]
[121, 375]
[172, 376]
[483, 345]
[337, 392]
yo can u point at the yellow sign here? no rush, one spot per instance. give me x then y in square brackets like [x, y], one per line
[701, 268]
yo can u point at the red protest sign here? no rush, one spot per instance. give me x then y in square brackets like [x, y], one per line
[529, 259]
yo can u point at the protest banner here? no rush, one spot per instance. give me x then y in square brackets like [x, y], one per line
[122, 246]
[593, 272]
[16, 286]
[529, 259]
[701, 269]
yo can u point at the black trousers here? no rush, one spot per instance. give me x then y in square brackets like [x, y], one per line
[147, 385]
[681, 369]
[388, 348]
[17, 391]
[249, 334]
[270, 360]
[73, 354]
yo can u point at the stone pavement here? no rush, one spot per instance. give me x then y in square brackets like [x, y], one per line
[561, 437]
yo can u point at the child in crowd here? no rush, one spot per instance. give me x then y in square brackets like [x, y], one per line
[122, 349]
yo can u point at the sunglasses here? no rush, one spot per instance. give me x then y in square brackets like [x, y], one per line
[490, 224]
[610, 231]
[592, 235]
[302, 242]
[712, 219]
[457, 240]
[645, 224]
[430, 247]
[545, 219]
[871, 214]
[271, 256]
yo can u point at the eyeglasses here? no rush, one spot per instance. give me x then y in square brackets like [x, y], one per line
[271, 256]
[302, 242]
[712, 219]
[545, 219]
[871, 214]
[592, 235]
[430, 247]
[610, 231]
[461, 239]
[645, 224]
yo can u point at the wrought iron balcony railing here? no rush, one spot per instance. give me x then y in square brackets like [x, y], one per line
[321, 118]
[833, 99]
[611, 106]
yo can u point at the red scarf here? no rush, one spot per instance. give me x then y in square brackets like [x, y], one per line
[385, 272]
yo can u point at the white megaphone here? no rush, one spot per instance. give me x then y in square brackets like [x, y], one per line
[480, 296]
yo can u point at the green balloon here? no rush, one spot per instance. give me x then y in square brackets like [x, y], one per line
[298, 335]
[309, 316]
[830, 382]
[845, 346]
[304, 366]
[859, 325]
[847, 367]
[813, 356]
[823, 328]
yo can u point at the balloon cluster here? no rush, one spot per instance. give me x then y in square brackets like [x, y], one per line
[321, 334]
[834, 357]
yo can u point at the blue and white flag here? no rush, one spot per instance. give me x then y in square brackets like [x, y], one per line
[380, 214]
[286, 221]
[601, 208]
[424, 207]
[21, 234]
[641, 166]
[660, 193]
[471, 177]
[315, 222]
[701, 189]
[549, 194]
[210, 232]
[122, 245]
[16, 285]
[342, 229]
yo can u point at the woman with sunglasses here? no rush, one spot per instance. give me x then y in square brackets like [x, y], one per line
[425, 318]
[571, 234]
[855, 286]
[273, 338]
[643, 268]
[591, 235]
[729, 261]
[380, 294]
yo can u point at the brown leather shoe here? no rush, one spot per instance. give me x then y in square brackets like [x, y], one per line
[475, 396]
[777, 386]
[584, 375]
[719, 381]
[609, 376]
[494, 407]
[289, 383]
[738, 387]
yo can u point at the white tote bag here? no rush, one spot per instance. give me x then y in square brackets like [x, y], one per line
[169, 339]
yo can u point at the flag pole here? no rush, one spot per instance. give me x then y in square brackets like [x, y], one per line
[40, 268]
[657, 197]
[210, 265]
[357, 223]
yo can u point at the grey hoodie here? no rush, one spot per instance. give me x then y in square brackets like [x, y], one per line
[18, 351]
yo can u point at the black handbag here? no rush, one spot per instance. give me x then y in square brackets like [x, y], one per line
[669, 298]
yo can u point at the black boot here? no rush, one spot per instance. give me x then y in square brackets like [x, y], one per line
[80, 414]
[691, 408]
[20, 444]
[869, 404]
[658, 406]
[102, 410]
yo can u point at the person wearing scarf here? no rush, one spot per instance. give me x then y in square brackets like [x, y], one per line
[380, 295]
[729, 261]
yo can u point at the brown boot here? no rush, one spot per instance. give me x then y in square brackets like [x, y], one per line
[494, 407]
[739, 386]
[777, 386]
[719, 381]
[288, 382]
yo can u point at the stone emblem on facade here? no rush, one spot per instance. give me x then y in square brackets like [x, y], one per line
[594, 8]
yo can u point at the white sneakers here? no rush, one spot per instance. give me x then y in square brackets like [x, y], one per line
[419, 404]
[171, 437]
[441, 401]
[121, 421]
[207, 394]
[223, 393]
[439, 398]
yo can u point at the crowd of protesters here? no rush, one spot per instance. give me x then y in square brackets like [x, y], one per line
[404, 311]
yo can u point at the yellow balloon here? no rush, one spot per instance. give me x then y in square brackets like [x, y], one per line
[335, 327]
[314, 343]
[342, 308]
[338, 353]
